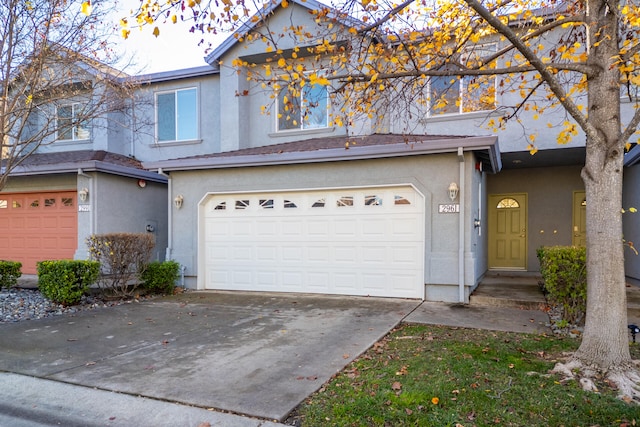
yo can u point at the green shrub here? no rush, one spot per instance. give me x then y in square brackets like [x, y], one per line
[564, 273]
[123, 258]
[9, 273]
[161, 277]
[65, 282]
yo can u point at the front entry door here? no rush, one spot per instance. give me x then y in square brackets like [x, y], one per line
[579, 219]
[508, 231]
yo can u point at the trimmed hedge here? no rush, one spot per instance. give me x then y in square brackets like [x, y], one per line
[564, 272]
[65, 282]
[9, 273]
[161, 277]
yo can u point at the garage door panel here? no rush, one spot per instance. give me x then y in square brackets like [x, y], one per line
[39, 226]
[331, 242]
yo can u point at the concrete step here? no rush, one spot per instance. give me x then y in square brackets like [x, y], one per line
[522, 290]
[512, 292]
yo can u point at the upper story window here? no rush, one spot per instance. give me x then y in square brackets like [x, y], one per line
[305, 108]
[177, 115]
[467, 94]
[70, 125]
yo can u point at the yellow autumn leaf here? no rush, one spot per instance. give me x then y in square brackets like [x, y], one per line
[284, 3]
[125, 33]
[86, 8]
[282, 62]
[174, 18]
[156, 31]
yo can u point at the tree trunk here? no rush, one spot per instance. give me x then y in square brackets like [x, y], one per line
[605, 343]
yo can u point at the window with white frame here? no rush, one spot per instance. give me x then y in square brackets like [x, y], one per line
[177, 115]
[466, 94]
[70, 124]
[303, 108]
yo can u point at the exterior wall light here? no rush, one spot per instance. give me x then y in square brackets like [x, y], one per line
[83, 194]
[453, 191]
[178, 201]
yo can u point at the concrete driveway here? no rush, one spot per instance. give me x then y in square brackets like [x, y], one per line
[249, 353]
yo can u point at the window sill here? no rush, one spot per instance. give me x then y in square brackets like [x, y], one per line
[74, 141]
[464, 116]
[295, 132]
[176, 143]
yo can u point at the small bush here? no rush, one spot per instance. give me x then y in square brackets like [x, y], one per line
[65, 282]
[123, 258]
[161, 277]
[9, 273]
[564, 273]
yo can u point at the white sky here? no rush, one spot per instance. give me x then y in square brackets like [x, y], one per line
[174, 49]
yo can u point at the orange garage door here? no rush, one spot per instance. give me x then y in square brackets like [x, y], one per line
[38, 226]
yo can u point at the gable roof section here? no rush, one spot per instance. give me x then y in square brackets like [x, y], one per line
[85, 161]
[340, 148]
[254, 21]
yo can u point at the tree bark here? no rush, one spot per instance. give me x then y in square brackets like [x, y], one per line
[605, 344]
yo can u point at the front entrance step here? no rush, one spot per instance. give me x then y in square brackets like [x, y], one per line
[509, 289]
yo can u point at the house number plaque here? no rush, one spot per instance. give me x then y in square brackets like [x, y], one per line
[452, 208]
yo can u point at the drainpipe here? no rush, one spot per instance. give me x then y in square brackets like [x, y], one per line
[167, 255]
[92, 205]
[461, 231]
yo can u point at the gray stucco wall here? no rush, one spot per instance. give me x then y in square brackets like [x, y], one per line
[550, 203]
[117, 204]
[431, 175]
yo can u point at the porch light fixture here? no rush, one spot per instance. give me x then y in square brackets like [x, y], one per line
[83, 194]
[178, 201]
[453, 191]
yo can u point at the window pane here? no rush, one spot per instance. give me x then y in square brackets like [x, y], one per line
[187, 115]
[318, 203]
[49, 203]
[166, 105]
[220, 206]
[3, 204]
[288, 204]
[288, 111]
[372, 201]
[67, 201]
[315, 103]
[266, 203]
[479, 93]
[445, 95]
[345, 201]
[65, 122]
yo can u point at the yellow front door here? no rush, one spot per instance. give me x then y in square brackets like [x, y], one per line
[579, 219]
[508, 231]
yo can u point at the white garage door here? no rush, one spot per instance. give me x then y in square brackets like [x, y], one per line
[364, 241]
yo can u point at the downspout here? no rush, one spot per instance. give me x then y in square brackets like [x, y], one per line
[461, 231]
[167, 255]
[132, 129]
[92, 206]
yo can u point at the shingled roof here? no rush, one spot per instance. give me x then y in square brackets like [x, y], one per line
[83, 160]
[339, 148]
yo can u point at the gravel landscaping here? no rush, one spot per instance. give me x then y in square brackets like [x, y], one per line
[17, 304]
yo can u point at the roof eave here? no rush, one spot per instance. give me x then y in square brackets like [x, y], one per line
[488, 143]
[88, 166]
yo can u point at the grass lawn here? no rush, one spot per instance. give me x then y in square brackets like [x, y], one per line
[422, 375]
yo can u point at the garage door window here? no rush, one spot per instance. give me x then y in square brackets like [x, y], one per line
[400, 200]
[318, 203]
[266, 203]
[345, 201]
[3, 204]
[49, 203]
[288, 204]
[242, 204]
[220, 206]
[372, 201]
